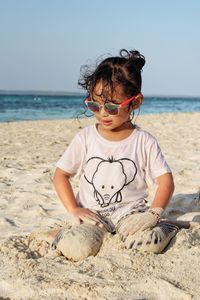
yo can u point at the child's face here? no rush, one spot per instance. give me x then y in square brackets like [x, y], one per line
[106, 120]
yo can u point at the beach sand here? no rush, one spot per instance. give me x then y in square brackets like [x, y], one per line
[29, 270]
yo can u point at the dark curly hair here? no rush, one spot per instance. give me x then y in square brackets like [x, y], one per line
[124, 70]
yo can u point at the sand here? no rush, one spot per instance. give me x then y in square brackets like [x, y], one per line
[29, 204]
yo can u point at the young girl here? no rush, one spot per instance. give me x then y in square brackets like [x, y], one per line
[115, 161]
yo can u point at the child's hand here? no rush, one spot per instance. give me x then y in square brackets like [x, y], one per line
[87, 216]
[140, 221]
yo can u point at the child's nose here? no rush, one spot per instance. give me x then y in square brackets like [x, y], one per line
[103, 112]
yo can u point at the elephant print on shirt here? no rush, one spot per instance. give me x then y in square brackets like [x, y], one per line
[109, 177]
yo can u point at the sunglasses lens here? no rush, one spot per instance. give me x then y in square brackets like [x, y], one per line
[93, 106]
[111, 108]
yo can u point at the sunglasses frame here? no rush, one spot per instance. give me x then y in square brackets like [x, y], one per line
[139, 97]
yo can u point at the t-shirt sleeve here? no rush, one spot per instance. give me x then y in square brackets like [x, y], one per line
[156, 163]
[72, 159]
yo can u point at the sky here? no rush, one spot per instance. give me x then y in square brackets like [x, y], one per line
[43, 43]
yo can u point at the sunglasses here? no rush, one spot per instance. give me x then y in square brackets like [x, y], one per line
[111, 108]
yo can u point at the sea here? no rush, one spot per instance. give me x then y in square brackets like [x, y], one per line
[20, 107]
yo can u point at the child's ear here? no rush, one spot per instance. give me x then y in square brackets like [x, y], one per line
[137, 101]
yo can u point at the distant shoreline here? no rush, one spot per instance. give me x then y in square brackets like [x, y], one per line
[39, 93]
[79, 94]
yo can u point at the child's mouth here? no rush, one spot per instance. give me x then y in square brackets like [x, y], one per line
[106, 123]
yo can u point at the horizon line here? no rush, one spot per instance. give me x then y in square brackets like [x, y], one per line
[74, 93]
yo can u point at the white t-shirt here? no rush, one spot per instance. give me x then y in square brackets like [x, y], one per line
[113, 175]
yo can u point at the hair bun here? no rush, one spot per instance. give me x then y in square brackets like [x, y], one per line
[133, 55]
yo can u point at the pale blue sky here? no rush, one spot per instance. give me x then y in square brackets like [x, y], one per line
[43, 43]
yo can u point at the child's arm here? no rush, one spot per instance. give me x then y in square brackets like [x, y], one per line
[65, 192]
[164, 191]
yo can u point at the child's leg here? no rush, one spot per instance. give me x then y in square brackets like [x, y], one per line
[152, 240]
[79, 242]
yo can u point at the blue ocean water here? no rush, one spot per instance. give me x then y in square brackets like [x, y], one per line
[47, 107]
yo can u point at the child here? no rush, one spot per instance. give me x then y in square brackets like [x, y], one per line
[115, 161]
